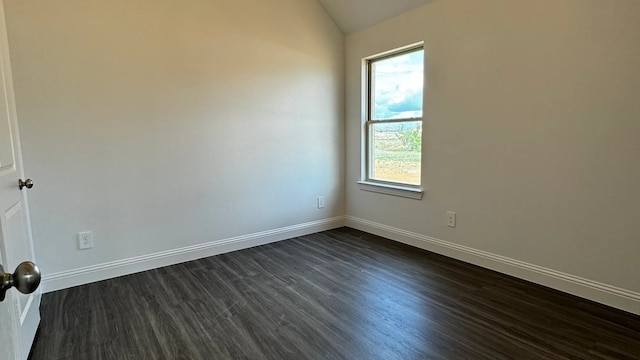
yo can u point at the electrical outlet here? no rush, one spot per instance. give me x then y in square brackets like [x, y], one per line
[320, 202]
[85, 240]
[451, 219]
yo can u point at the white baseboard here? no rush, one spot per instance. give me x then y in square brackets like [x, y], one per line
[89, 274]
[603, 293]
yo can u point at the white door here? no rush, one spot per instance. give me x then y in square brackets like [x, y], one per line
[19, 313]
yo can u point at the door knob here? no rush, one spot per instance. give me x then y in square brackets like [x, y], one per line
[25, 279]
[27, 183]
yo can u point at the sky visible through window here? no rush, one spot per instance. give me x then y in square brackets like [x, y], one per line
[397, 87]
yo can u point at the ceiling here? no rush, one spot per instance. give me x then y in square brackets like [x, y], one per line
[354, 15]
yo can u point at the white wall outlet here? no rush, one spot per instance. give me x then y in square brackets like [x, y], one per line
[85, 240]
[320, 202]
[451, 219]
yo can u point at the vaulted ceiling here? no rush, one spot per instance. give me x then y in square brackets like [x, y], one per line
[354, 15]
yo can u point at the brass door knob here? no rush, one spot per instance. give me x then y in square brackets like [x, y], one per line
[27, 183]
[25, 279]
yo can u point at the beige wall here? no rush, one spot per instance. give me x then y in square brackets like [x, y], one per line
[532, 132]
[162, 124]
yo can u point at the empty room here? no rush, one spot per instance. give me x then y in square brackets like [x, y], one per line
[319, 179]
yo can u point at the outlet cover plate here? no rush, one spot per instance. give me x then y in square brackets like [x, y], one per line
[320, 202]
[85, 240]
[451, 219]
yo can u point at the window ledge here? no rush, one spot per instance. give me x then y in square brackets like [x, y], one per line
[395, 190]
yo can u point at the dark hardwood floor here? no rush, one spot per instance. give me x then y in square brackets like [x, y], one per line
[340, 294]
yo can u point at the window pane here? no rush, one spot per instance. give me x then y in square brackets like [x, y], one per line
[395, 152]
[396, 87]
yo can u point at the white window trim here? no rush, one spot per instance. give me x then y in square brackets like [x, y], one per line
[391, 189]
[372, 185]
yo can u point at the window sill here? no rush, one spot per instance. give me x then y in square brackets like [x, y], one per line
[395, 190]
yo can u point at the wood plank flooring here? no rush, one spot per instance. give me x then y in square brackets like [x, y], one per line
[339, 294]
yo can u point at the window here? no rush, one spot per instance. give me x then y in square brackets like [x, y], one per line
[393, 126]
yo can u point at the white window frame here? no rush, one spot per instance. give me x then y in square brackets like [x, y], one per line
[367, 183]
